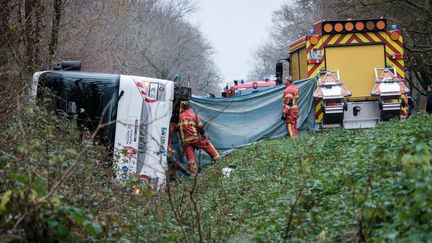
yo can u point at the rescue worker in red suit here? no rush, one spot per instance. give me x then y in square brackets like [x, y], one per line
[193, 136]
[290, 111]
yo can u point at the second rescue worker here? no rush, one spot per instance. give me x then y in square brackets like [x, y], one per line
[193, 136]
[290, 111]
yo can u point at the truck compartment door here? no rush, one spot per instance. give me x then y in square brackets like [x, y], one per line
[356, 65]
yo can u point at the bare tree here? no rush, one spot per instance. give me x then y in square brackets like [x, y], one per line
[160, 43]
[412, 16]
[289, 23]
[147, 38]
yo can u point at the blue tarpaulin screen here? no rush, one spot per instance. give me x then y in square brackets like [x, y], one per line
[235, 121]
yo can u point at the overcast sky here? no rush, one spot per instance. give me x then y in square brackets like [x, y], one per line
[235, 28]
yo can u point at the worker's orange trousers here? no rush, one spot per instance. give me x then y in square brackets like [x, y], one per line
[202, 143]
[291, 122]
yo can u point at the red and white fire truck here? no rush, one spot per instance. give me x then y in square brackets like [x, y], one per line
[240, 88]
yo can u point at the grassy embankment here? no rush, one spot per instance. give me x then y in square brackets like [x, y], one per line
[340, 185]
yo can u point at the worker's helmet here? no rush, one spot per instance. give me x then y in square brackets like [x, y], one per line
[289, 79]
[184, 105]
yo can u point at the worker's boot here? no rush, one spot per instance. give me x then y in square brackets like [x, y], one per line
[193, 168]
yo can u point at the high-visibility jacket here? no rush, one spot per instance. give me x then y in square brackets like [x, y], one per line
[189, 126]
[290, 93]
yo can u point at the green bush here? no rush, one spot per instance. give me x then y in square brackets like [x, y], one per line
[333, 186]
[339, 185]
[37, 149]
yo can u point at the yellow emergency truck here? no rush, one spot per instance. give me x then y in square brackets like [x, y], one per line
[358, 51]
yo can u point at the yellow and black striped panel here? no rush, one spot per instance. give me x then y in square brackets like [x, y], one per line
[393, 51]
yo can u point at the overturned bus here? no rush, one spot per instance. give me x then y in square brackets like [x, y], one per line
[135, 114]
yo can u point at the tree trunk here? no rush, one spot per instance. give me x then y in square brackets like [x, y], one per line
[29, 36]
[38, 33]
[57, 5]
[5, 11]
